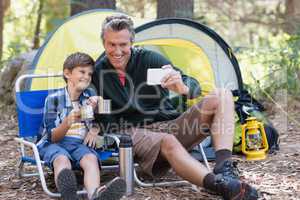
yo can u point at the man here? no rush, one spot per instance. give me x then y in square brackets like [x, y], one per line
[161, 135]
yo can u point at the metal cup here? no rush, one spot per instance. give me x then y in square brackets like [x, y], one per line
[104, 106]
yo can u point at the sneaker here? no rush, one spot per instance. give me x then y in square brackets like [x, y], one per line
[67, 184]
[114, 190]
[233, 189]
[228, 169]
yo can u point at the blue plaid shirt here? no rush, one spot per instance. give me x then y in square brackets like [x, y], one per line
[58, 106]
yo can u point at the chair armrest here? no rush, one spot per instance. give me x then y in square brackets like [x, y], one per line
[115, 137]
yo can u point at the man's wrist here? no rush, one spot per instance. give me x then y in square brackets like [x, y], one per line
[185, 90]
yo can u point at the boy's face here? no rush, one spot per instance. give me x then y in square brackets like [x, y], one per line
[79, 78]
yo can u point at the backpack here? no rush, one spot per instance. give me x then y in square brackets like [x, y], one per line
[246, 106]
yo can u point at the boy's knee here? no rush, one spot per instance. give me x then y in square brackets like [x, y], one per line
[89, 159]
[62, 161]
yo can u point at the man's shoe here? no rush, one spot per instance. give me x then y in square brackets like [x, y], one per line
[233, 189]
[228, 169]
[114, 190]
[67, 184]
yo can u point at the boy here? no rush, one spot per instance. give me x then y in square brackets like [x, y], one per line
[68, 140]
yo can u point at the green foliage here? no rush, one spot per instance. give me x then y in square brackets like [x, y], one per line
[20, 22]
[55, 12]
[18, 28]
[273, 67]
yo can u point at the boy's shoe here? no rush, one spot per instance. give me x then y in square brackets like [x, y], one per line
[67, 184]
[114, 190]
[234, 189]
[228, 169]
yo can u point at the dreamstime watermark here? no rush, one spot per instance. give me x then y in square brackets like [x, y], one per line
[137, 95]
[185, 127]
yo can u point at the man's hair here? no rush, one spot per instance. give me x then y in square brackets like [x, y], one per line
[117, 23]
[78, 59]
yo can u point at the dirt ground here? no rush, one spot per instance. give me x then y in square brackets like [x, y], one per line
[277, 177]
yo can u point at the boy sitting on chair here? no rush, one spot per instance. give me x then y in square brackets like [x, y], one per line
[68, 140]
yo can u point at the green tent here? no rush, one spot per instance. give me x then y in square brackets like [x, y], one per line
[196, 49]
[193, 47]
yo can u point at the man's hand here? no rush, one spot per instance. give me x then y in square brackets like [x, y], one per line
[91, 137]
[173, 81]
[93, 101]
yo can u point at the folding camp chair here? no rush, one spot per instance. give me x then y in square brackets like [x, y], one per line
[30, 114]
[30, 105]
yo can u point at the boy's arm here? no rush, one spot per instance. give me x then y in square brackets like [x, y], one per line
[56, 132]
[93, 97]
[91, 137]
[59, 132]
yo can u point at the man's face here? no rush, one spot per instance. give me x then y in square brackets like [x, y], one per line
[117, 46]
[79, 78]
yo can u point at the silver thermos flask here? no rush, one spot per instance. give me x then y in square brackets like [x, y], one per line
[126, 162]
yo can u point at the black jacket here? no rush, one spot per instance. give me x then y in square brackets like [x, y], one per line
[136, 102]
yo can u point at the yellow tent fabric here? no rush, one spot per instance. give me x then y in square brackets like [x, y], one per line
[197, 51]
[79, 33]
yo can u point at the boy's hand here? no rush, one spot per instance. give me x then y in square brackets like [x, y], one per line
[74, 116]
[91, 137]
[93, 101]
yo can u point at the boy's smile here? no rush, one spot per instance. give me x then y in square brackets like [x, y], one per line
[79, 78]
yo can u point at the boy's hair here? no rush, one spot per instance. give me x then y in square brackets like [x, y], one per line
[118, 22]
[78, 59]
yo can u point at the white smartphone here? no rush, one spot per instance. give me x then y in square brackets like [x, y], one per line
[155, 75]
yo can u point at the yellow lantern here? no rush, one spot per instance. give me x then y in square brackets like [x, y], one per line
[254, 139]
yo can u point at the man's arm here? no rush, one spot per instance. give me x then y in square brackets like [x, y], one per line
[180, 83]
[177, 81]
[193, 85]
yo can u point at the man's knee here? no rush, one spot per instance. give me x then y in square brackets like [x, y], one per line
[169, 145]
[211, 101]
[223, 94]
[218, 96]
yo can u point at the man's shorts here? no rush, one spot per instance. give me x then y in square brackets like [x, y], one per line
[71, 148]
[187, 128]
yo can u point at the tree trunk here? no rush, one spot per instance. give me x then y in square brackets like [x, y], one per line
[292, 16]
[4, 4]
[82, 5]
[36, 37]
[1, 28]
[175, 8]
[9, 73]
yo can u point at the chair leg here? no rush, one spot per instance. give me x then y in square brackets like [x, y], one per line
[171, 183]
[204, 157]
[165, 183]
[20, 168]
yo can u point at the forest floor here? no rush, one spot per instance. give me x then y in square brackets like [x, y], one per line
[277, 177]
